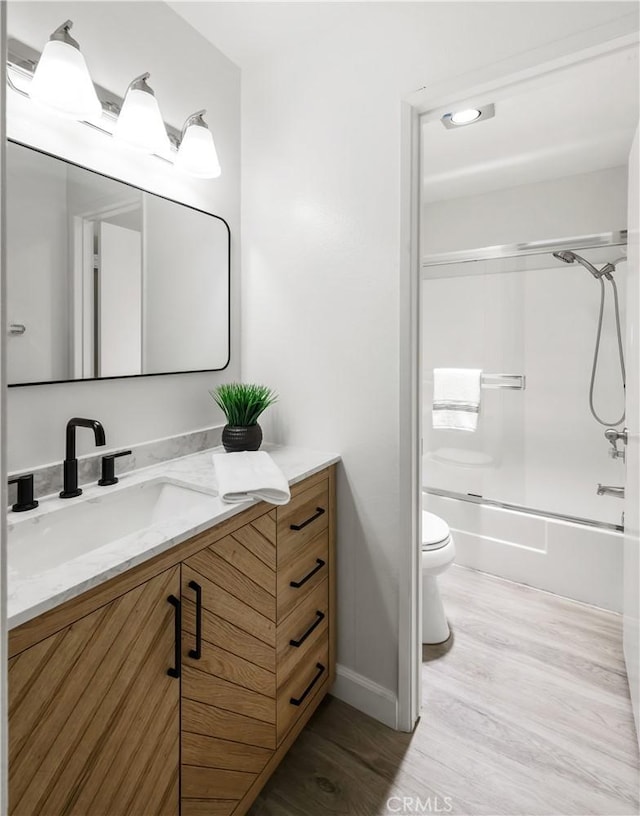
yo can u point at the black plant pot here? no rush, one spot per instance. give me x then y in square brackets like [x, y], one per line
[241, 437]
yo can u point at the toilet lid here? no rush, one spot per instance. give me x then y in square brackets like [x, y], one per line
[435, 531]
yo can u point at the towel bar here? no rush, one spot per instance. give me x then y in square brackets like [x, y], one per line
[519, 381]
[494, 381]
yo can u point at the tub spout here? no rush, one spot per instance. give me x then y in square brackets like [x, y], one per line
[608, 490]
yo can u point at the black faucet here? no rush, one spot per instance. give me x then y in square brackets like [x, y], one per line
[71, 488]
[24, 497]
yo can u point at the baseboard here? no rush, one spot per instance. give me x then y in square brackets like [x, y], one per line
[367, 696]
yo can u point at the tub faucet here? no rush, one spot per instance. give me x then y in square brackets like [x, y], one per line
[608, 490]
[71, 488]
[613, 436]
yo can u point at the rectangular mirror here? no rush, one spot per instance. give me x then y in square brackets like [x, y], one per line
[106, 280]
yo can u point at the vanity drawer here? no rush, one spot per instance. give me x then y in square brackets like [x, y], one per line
[300, 689]
[302, 519]
[299, 633]
[302, 574]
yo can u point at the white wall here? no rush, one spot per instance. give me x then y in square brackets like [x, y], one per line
[120, 41]
[321, 276]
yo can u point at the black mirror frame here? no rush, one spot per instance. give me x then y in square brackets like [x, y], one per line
[173, 201]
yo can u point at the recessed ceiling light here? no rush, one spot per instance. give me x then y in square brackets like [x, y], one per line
[468, 116]
[464, 117]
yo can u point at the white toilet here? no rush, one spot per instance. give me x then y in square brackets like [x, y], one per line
[438, 552]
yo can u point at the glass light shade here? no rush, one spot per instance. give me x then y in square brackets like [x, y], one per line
[197, 154]
[62, 82]
[464, 117]
[140, 124]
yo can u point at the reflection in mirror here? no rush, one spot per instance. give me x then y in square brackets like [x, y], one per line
[106, 280]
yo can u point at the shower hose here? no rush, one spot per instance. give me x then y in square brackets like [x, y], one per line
[596, 353]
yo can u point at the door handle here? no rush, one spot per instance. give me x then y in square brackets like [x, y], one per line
[319, 618]
[297, 584]
[319, 512]
[174, 671]
[297, 701]
[196, 653]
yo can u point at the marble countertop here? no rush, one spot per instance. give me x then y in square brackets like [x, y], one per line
[44, 584]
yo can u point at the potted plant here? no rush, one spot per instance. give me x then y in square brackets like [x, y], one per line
[242, 404]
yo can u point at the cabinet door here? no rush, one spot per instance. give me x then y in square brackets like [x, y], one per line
[228, 671]
[93, 714]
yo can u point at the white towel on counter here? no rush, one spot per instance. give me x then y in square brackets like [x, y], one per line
[250, 475]
[456, 398]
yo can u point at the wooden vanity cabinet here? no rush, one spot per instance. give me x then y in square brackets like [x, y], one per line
[228, 668]
[104, 721]
[258, 610]
[94, 717]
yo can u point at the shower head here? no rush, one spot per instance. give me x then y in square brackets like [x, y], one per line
[568, 256]
[565, 255]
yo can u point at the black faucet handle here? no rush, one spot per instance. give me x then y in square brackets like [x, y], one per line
[109, 469]
[24, 499]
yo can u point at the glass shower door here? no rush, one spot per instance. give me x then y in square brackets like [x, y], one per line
[536, 448]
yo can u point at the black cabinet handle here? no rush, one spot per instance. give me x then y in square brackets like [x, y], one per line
[300, 700]
[196, 653]
[297, 584]
[319, 512]
[314, 625]
[174, 671]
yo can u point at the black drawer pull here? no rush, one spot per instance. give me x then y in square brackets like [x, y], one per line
[319, 512]
[297, 584]
[314, 625]
[300, 700]
[174, 671]
[196, 653]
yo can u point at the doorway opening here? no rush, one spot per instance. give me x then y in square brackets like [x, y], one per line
[529, 504]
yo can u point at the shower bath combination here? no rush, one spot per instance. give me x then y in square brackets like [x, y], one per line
[600, 275]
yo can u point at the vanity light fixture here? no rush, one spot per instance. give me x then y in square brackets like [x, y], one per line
[140, 122]
[61, 80]
[468, 116]
[197, 153]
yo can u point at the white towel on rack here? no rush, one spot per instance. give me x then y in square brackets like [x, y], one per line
[456, 398]
[250, 475]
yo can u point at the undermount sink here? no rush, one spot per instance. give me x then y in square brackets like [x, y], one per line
[42, 542]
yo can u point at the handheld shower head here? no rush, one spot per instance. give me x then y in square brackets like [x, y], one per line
[568, 256]
[565, 255]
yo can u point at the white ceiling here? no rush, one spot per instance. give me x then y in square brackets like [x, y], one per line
[249, 32]
[573, 121]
